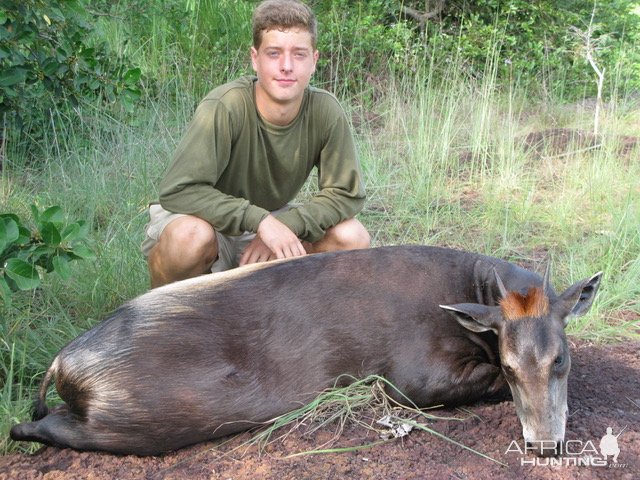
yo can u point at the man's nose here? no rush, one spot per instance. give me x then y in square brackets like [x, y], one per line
[286, 64]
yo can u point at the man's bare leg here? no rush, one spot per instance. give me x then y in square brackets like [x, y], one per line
[347, 235]
[187, 248]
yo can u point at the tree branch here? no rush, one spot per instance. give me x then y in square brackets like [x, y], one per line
[423, 17]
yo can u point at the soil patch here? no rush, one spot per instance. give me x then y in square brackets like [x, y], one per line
[604, 391]
[560, 141]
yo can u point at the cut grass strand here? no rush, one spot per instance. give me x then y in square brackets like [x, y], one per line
[361, 403]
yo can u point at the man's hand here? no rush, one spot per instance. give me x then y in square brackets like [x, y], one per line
[273, 240]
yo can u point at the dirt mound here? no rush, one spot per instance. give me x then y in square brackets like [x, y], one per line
[604, 391]
[559, 141]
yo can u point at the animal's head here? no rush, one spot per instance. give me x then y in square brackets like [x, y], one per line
[533, 352]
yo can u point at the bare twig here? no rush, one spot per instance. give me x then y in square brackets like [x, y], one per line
[590, 48]
[429, 13]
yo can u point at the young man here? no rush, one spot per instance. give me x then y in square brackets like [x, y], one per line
[251, 145]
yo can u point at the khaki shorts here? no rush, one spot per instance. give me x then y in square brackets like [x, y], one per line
[230, 247]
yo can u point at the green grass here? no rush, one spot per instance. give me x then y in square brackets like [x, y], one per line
[443, 165]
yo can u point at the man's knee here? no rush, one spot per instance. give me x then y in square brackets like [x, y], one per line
[189, 238]
[189, 232]
[348, 235]
[186, 248]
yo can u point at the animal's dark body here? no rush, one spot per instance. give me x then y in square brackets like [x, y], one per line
[213, 355]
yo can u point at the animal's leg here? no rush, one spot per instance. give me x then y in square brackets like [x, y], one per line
[464, 382]
[58, 429]
[476, 380]
[447, 381]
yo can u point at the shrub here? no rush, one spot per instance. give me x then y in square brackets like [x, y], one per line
[49, 58]
[49, 247]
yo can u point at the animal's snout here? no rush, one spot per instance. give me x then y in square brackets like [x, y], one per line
[545, 448]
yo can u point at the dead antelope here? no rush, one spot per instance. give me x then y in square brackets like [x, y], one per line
[217, 354]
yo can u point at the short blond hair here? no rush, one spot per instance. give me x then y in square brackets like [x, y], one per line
[283, 15]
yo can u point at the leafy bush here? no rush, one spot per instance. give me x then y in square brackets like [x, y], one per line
[49, 247]
[361, 41]
[50, 59]
[196, 44]
[532, 40]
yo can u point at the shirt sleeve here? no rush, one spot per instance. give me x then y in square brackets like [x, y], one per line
[341, 192]
[201, 157]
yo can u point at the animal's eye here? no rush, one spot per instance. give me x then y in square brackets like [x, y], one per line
[559, 360]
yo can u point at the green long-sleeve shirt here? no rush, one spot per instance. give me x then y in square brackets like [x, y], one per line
[232, 167]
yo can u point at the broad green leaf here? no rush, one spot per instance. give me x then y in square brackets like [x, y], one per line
[35, 213]
[71, 232]
[25, 235]
[12, 76]
[50, 66]
[4, 243]
[128, 103]
[132, 76]
[54, 215]
[63, 68]
[13, 216]
[5, 292]
[36, 253]
[24, 274]
[50, 234]
[61, 267]
[56, 14]
[9, 232]
[88, 53]
[83, 252]
[84, 228]
[108, 91]
[76, 7]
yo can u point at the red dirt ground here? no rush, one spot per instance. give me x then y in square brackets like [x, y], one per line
[604, 391]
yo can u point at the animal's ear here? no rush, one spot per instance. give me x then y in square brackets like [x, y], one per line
[475, 317]
[578, 298]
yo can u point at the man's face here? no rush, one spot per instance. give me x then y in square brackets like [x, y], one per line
[284, 63]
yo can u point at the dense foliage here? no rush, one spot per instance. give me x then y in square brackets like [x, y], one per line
[48, 246]
[61, 52]
[49, 58]
[537, 41]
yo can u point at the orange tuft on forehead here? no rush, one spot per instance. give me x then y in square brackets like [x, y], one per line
[534, 304]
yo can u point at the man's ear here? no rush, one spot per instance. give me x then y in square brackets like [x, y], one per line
[475, 317]
[254, 57]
